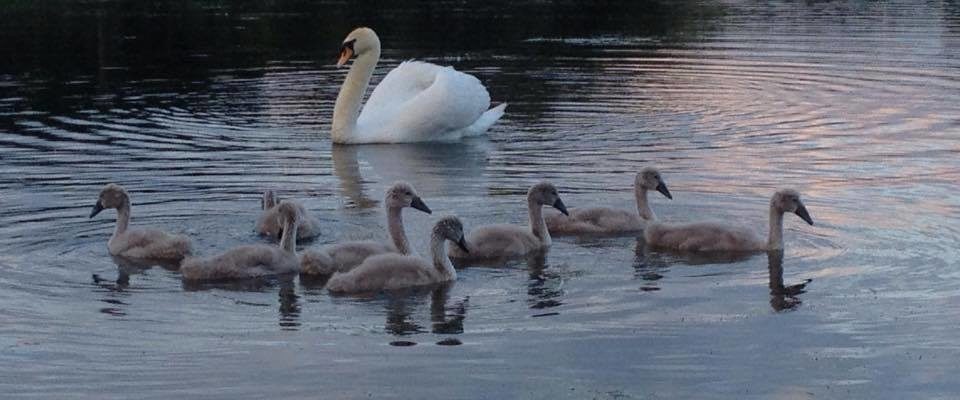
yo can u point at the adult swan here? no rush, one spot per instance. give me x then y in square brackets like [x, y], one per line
[416, 102]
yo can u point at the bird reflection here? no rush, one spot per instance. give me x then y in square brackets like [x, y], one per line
[399, 309]
[648, 268]
[118, 289]
[288, 299]
[545, 287]
[289, 307]
[430, 167]
[782, 298]
[649, 265]
[445, 318]
[130, 266]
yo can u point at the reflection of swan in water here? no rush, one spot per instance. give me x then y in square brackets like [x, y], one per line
[545, 287]
[435, 168]
[132, 266]
[445, 319]
[782, 298]
[289, 306]
[288, 301]
[415, 102]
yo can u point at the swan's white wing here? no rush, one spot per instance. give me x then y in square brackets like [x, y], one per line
[419, 101]
[401, 84]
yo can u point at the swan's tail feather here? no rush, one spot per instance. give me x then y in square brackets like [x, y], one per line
[486, 120]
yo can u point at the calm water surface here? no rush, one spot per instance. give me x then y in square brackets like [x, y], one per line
[855, 104]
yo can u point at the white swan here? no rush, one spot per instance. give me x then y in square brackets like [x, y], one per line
[604, 220]
[415, 102]
[269, 225]
[136, 243]
[715, 236]
[251, 261]
[342, 257]
[502, 241]
[396, 271]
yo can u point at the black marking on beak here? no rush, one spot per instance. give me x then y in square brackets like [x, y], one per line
[559, 205]
[803, 214]
[662, 188]
[346, 52]
[462, 244]
[96, 209]
[420, 205]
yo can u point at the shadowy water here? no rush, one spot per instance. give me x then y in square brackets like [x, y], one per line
[197, 107]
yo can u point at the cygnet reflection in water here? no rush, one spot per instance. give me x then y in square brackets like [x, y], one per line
[783, 298]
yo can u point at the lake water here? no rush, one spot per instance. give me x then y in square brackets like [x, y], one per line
[196, 111]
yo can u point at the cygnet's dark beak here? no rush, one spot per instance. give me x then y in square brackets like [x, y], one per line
[662, 188]
[96, 209]
[802, 213]
[559, 205]
[462, 244]
[420, 205]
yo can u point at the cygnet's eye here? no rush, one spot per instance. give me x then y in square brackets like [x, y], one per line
[408, 194]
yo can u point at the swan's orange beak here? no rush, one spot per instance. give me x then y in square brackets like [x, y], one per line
[346, 51]
[345, 54]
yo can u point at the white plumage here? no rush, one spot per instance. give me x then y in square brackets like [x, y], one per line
[415, 102]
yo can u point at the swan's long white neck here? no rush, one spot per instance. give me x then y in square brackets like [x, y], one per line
[537, 225]
[439, 253]
[643, 207]
[350, 100]
[288, 240]
[123, 219]
[775, 240]
[395, 227]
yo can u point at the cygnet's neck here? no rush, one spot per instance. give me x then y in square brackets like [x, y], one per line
[123, 218]
[288, 240]
[643, 208]
[775, 240]
[537, 225]
[439, 253]
[350, 100]
[395, 228]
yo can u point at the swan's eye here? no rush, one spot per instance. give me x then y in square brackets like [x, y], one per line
[409, 194]
[349, 44]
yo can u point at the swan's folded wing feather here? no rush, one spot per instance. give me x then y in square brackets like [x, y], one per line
[421, 101]
[399, 86]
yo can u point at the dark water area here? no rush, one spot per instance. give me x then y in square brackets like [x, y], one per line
[196, 107]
